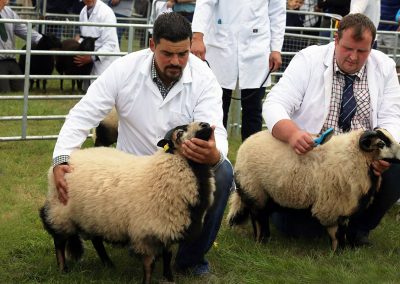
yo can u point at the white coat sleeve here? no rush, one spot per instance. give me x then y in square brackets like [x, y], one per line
[88, 112]
[358, 6]
[277, 19]
[203, 15]
[388, 111]
[287, 95]
[209, 109]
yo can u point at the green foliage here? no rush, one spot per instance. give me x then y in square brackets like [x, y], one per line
[27, 253]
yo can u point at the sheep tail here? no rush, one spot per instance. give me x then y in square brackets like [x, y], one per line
[238, 210]
[74, 247]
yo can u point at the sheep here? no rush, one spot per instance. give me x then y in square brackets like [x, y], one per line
[148, 202]
[41, 64]
[65, 64]
[106, 133]
[334, 180]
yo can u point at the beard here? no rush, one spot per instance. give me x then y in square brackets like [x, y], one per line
[173, 72]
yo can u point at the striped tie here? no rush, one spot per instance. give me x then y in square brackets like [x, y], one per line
[349, 105]
[3, 32]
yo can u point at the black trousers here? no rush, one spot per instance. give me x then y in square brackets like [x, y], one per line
[10, 67]
[300, 222]
[251, 109]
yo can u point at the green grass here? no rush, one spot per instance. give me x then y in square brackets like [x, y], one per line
[27, 253]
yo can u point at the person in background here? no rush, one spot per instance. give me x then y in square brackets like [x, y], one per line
[95, 11]
[241, 42]
[154, 90]
[8, 64]
[336, 7]
[387, 42]
[183, 7]
[122, 9]
[57, 7]
[346, 85]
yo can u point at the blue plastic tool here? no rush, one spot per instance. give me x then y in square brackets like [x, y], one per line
[324, 137]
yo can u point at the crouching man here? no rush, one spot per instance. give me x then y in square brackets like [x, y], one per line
[155, 90]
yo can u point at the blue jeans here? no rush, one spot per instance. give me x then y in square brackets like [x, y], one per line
[297, 223]
[251, 109]
[193, 254]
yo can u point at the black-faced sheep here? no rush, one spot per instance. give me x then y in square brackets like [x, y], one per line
[106, 133]
[148, 202]
[41, 64]
[65, 64]
[334, 180]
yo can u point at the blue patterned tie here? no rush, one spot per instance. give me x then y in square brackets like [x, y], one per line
[349, 105]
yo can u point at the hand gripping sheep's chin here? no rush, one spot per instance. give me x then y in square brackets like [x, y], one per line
[334, 180]
[149, 202]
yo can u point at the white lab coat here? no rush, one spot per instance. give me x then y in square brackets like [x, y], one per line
[107, 36]
[239, 36]
[144, 116]
[303, 94]
[370, 8]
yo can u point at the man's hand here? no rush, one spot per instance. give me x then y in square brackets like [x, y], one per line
[60, 182]
[114, 2]
[198, 48]
[200, 151]
[379, 167]
[275, 60]
[81, 60]
[301, 142]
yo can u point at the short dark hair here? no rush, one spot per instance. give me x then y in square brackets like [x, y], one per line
[359, 23]
[172, 27]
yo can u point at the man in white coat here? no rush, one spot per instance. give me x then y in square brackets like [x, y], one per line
[107, 39]
[155, 90]
[241, 40]
[308, 99]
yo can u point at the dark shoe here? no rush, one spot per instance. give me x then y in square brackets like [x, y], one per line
[359, 240]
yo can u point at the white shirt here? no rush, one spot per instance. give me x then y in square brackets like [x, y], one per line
[12, 30]
[239, 36]
[107, 36]
[144, 116]
[303, 93]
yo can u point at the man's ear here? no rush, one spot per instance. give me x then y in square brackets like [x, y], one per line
[152, 44]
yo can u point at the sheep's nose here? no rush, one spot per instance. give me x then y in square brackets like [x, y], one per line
[204, 124]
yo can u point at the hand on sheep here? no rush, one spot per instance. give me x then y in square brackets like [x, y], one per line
[200, 151]
[60, 182]
[301, 142]
[198, 48]
[380, 166]
[81, 60]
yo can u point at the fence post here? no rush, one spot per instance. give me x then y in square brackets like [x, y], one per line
[26, 80]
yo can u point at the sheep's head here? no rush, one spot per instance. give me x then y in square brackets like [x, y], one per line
[87, 43]
[176, 136]
[382, 144]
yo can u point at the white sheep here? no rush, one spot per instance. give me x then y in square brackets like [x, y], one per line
[106, 133]
[148, 202]
[334, 180]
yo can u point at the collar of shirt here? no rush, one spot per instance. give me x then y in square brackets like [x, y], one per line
[89, 11]
[164, 90]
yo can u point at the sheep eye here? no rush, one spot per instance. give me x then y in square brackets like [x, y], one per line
[380, 144]
[179, 134]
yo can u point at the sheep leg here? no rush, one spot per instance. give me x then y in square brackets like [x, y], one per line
[148, 266]
[44, 85]
[167, 273]
[59, 244]
[101, 252]
[332, 231]
[260, 220]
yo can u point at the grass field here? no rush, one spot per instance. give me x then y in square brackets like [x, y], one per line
[27, 254]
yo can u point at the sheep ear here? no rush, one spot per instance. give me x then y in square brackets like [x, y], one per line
[365, 141]
[167, 145]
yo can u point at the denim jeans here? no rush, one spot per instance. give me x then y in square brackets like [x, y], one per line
[251, 109]
[191, 254]
[297, 223]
